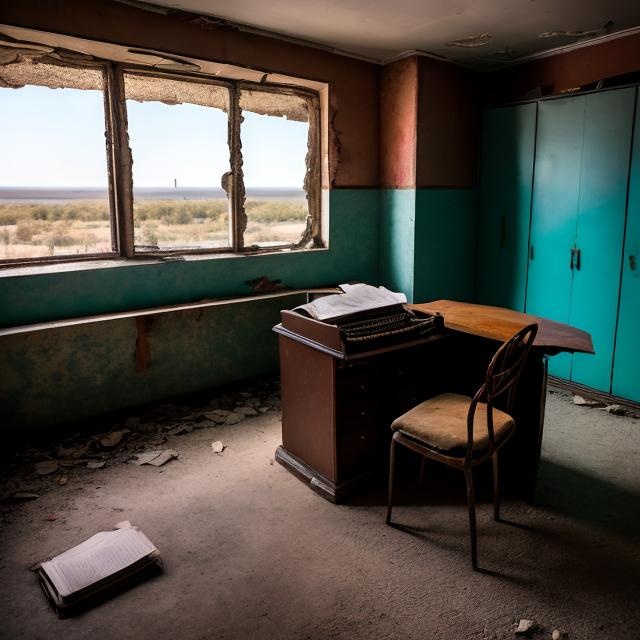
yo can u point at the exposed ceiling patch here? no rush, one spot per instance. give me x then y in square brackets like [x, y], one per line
[605, 28]
[471, 41]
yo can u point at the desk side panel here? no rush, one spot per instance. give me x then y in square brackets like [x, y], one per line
[308, 406]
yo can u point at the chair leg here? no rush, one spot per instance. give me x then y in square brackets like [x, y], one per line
[422, 466]
[496, 488]
[392, 465]
[471, 498]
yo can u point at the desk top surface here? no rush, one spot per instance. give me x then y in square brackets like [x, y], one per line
[497, 323]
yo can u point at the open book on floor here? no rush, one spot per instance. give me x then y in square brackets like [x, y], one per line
[102, 566]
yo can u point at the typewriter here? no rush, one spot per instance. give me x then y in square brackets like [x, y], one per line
[364, 331]
[385, 327]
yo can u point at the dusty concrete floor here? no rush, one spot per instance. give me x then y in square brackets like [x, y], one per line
[251, 552]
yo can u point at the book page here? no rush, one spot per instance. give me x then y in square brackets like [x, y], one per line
[356, 298]
[98, 557]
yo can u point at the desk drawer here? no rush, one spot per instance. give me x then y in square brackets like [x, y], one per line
[358, 452]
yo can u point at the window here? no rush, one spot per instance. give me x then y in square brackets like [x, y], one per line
[53, 166]
[193, 164]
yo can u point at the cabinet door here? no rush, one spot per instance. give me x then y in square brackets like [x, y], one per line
[556, 189]
[608, 128]
[626, 377]
[507, 151]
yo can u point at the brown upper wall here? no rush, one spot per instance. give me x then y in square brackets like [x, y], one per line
[398, 120]
[558, 73]
[353, 84]
[446, 152]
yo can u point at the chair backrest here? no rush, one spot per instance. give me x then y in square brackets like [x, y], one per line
[503, 375]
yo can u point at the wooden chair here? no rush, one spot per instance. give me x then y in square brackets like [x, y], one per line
[463, 432]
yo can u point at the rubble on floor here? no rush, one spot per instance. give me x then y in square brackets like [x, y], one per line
[615, 409]
[135, 438]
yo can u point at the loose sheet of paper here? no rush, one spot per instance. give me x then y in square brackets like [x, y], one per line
[356, 298]
[98, 557]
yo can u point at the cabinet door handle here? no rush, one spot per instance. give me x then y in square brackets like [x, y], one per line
[632, 262]
[573, 253]
[578, 256]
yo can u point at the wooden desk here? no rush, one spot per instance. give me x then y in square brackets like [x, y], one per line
[337, 410]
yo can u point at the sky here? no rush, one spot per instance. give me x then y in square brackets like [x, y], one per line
[55, 138]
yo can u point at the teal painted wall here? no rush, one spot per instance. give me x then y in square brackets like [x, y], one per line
[427, 243]
[66, 373]
[352, 255]
[56, 375]
[445, 245]
[397, 239]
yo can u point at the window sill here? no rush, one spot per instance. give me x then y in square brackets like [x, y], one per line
[9, 271]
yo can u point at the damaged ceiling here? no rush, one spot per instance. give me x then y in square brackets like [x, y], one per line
[477, 33]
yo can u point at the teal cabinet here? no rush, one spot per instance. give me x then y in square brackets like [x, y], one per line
[556, 191]
[506, 171]
[578, 221]
[626, 377]
[608, 127]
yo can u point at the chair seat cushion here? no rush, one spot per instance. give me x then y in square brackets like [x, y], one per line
[441, 423]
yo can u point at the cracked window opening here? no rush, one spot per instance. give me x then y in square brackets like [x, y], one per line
[54, 188]
[275, 137]
[178, 134]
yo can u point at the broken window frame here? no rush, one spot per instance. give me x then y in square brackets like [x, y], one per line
[120, 166]
[103, 67]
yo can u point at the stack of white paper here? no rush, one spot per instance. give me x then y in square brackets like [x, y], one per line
[356, 298]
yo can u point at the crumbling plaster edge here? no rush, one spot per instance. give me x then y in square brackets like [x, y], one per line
[8, 271]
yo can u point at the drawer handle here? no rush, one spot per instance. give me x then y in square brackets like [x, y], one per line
[363, 413]
[632, 262]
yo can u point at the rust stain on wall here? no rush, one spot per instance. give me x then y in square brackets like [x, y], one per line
[143, 349]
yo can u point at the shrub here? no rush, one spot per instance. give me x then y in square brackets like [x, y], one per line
[24, 232]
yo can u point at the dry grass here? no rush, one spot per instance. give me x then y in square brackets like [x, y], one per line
[29, 230]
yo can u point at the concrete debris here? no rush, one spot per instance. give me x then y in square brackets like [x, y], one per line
[46, 467]
[556, 635]
[247, 411]
[73, 452]
[23, 496]
[112, 440]
[132, 422]
[218, 415]
[138, 439]
[586, 402]
[234, 418]
[180, 430]
[217, 447]
[525, 627]
[616, 409]
[156, 458]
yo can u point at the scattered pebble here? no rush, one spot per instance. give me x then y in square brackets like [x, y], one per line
[217, 447]
[525, 627]
[96, 464]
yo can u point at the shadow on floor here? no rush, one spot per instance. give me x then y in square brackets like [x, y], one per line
[588, 498]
